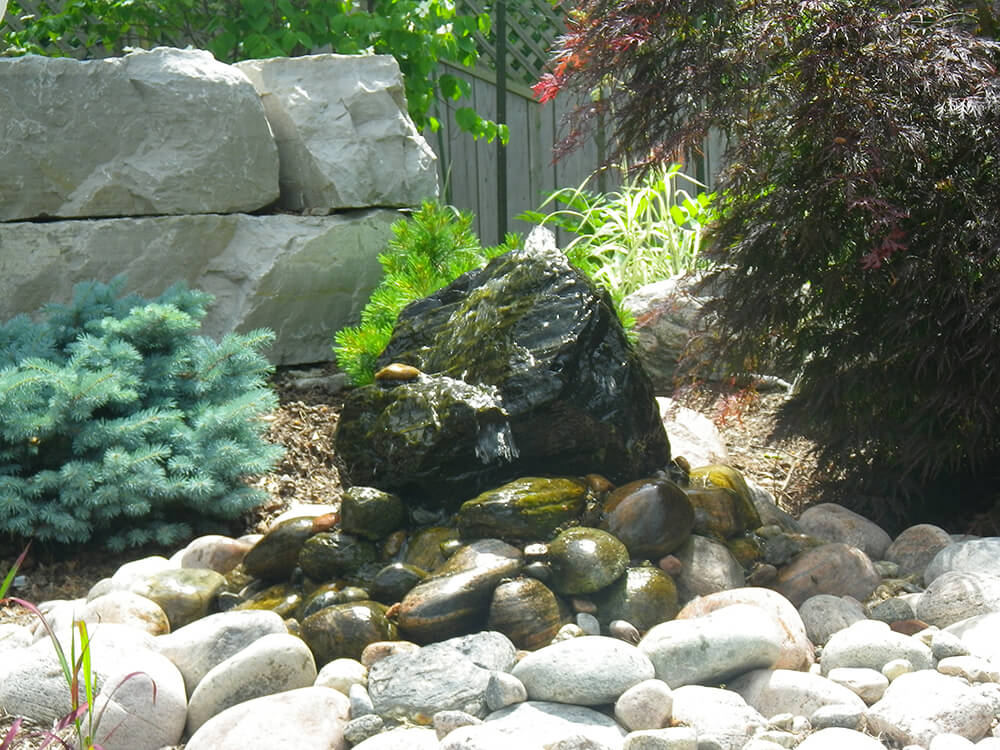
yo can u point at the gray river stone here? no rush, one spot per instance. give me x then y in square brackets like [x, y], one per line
[715, 647]
[587, 671]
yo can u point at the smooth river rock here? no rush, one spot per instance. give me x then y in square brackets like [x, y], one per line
[455, 599]
[714, 647]
[587, 671]
[834, 568]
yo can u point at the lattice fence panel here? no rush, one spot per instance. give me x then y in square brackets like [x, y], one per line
[532, 26]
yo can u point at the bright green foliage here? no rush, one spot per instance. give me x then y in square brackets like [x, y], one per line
[418, 33]
[120, 423]
[427, 252]
[647, 230]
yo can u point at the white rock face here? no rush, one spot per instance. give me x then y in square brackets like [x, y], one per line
[918, 706]
[302, 276]
[162, 132]
[720, 645]
[344, 137]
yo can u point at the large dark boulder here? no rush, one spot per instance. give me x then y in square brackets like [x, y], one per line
[527, 372]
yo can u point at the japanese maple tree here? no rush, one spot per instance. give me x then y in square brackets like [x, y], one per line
[859, 228]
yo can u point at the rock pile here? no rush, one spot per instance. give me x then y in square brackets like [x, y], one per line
[911, 661]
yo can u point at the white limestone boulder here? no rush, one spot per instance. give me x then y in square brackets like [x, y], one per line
[165, 131]
[302, 276]
[344, 137]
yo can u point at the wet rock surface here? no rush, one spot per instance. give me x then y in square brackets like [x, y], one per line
[551, 363]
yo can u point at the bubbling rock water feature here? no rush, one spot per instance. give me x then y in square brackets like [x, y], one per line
[525, 371]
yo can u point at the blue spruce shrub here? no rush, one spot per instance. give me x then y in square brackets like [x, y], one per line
[119, 423]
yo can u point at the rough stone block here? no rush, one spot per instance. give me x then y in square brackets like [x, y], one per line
[344, 137]
[302, 276]
[162, 132]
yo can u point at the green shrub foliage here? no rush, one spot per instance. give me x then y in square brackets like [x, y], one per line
[859, 233]
[121, 424]
[426, 253]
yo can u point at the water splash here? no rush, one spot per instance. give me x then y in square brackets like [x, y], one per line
[495, 442]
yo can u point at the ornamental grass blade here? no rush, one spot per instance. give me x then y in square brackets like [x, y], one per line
[9, 578]
[8, 739]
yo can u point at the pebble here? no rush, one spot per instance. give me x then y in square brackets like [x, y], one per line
[720, 717]
[915, 547]
[646, 705]
[447, 721]
[796, 650]
[361, 702]
[837, 715]
[838, 738]
[825, 614]
[969, 556]
[707, 566]
[503, 690]
[272, 664]
[803, 693]
[834, 568]
[970, 668]
[868, 684]
[536, 724]
[958, 595]
[360, 729]
[341, 674]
